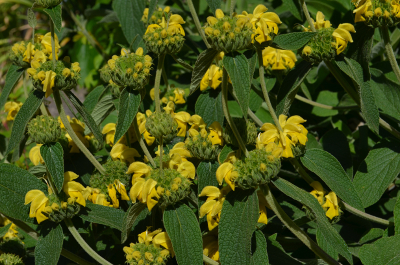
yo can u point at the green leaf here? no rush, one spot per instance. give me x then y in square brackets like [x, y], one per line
[24, 115]
[290, 85]
[48, 248]
[14, 184]
[396, 213]
[103, 108]
[55, 13]
[238, 221]
[384, 251]
[104, 215]
[328, 98]
[331, 172]
[13, 75]
[129, 14]
[183, 229]
[328, 248]
[252, 59]
[38, 170]
[87, 118]
[206, 177]
[237, 67]
[32, 21]
[93, 97]
[331, 236]
[224, 153]
[377, 171]
[214, 5]
[259, 249]
[129, 103]
[203, 62]
[368, 107]
[4, 230]
[53, 156]
[293, 41]
[129, 219]
[293, 7]
[209, 107]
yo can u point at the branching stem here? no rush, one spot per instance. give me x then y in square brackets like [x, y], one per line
[197, 22]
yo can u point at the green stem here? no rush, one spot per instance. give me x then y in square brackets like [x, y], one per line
[71, 133]
[254, 118]
[142, 143]
[43, 110]
[307, 14]
[389, 128]
[71, 256]
[165, 78]
[299, 168]
[183, 63]
[83, 243]
[228, 117]
[366, 215]
[323, 106]
[233, 4]
[265, 91]
[161, 155]
[197, 22]
[160, 65]
[209, 261]
[292, 226]
[389, 51]
[53, 44]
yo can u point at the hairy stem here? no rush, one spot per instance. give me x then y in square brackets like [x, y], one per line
[73, 135]
[182, 63]
[233, 4]
[142, 143]
[254, 118]
[323, 106]
[83, 243]
[228, 117]
[307, 14]
[43, 109]
[389, 51]
[292, 226]
[197, 22]
[160, 65]
[366, 216]
[53, 44]
[161, 155]
[209, 261]
[299, 168]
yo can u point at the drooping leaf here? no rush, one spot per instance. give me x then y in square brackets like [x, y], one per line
[328, 98]
[32, 21]
[55, 14]
[214, 5]
[259, 249]
[384, 251]
[237, 67]
[293, 41]
[324, 244]
[129, 103]
[93, 97]
[53, 156]
[13, 75]
[277, 254]
[209, 107]
[129, 219]
[377, 171]
[293, 7]
[201, 66]
[183, 229]
[224, 153]
[100, 214]
[48, 248]
[238, 221]
[103, 108]
[331, 172]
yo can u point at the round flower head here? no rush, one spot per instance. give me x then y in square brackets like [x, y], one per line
[377, 13]
[278, 61]
[162, 124]
[23, 53]
[328, 42]
[12, 108]
[44, 129]
[156, 17]
[228, 34]
[131, 70]
[247, 129]
[165, 37]
[8, 258]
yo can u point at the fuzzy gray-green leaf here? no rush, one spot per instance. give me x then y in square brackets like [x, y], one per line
[48, 248]
[384, 251]
[55, 14]
[201, 66]
[293, 41]
[129, 219]
[209, 107]
[103, 215]
[13, 75]
[52, 154]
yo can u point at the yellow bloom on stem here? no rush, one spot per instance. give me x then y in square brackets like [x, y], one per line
[212, 78]
[34, 155]
[216, 133]
[175, 22]
[12, 108]
[46, 42]
[77, 125]
[144, 191]
[213, 206]
[184, 167]
[225, 172]
[318, 191]
[48, 83]
[264, 23]
[124, 153]
[179, 96]
[99, 198]
[72, 188]
[38, 59]
[109, 130]
[343, 36]
[278, 59]
[362, 7]
[163, 239]
[139, 170]
[39, 201]
[197, 122]
[180, 149]
[182, 118]
[29, 53]
[321, 22]
[332, 203]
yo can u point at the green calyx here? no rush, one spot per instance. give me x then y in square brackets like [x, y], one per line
[115, 170]
[202, 148]
[160, 41]
[48, 3]
[161, 124]
[229, 34]
[10, 259]
[171, 186]
[57, 211]
[256, 169]
[44, 129]
[321, 47]
[247, 129]
[147, 254]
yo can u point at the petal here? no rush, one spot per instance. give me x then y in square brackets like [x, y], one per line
[282, 120]
[147, 188]
[271, 17]
[182, 116]
[210, 191]
[296, 119]
[260, 9]
[268, 126]
[69, 176]
[136, 189]
[207, 207]
[219, 13]
[263, 214]
[317, 186]
[343, 34]
[347, 26]
[40, 217]
[138, 167]
[121, 189]
[113, 195]
[109, 127]
[151, 202]
[32, 195]
[177, 19]
[187, 169]
[222, 171]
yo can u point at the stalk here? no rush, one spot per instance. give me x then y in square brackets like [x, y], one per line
[197, 22]
[160, 65]
[254, 118]
[323, 106]
[389, 51]
[307, 14]
[53, 45]
[209, 261]
[141, 142]
[233, 3]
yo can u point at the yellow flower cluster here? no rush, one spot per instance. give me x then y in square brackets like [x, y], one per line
[276, 59]
[156, 17]
[12, 108]
[377, 12]
[329, 202]
[175, 95]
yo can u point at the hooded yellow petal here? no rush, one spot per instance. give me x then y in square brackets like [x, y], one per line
[222, 171]
[32, 195]
[207, 207]
[136, 189]
[259, 10]
[343, 34]
[147, 188]
[113, 195]
[109, 127]
[347, 26]
[210, 191]
[152, 199]
[219, 13]
[121, 189]
[187, 169]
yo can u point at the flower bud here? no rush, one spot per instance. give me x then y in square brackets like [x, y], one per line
[44, 129]
[161, 124]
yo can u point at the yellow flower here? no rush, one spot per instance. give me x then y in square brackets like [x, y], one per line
[175, 22]
[124, 153]
[38, 59]
[74, 148]
[34, 155]
[109, 130]
[139, 170]
[180, 149]
[225, 172]
[213, 206]
[72, 188]
[77, 125]
[144, 191]
[48, 83]
[99, 198]
[216, 133]
[278, 59]
[321, 22]
[212, 78]
[39, 202]
[332, 204]
[46, 42]
[12, 231]
[29, 53]
[210, 246]
[182, 118]
[184, 167]
[343, 36]
[141, 118]
[163, 239]
[197, 122]
[179, 96]
[12, 108]
[362, 7]
[318, 191]
[264, 23]
[262, 203]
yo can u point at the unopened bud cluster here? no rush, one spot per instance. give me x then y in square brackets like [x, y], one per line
[141, 253]
[44, 129]
[247, 129]
[256, 169]
[57, 211]
[10, 259]
[161, 40]
[377, 13]
[156, 17]
[201, 147]
[161, 124]
[48, 3]
[23, 52]
[321, 47]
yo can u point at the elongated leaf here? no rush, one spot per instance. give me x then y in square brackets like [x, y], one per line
[378, 170]
[328, 248]
[238, 69]
[290, 86]
[293, 8]
[14, 184]
[93, 97]
[224, 153]
[38, 170]
[396, 214]
[238, 221]
[259, 249]
[331, 172]
[26, 112]
[214, 5]
[55, 14]
[4, 230]
[103, 215]
[103, 108]
[48, 248]
[293, 41]
[129, 103]
[13, 75]
[201, 66]
[329, 233]
[183, 230]
[209, 107]
[384, 251]
[52, 154]
[129, 14]
[87, 118]
[129, 219]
